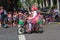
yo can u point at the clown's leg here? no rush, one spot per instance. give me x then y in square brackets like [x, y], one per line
[40, 26]
[30, 26]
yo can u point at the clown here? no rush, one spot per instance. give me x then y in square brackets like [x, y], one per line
[34, 11]
[34, 14]
[35, 17]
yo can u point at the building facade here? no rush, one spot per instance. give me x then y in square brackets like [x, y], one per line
[50, 3]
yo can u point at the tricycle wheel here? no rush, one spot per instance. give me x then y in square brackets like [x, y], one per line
[20, 31]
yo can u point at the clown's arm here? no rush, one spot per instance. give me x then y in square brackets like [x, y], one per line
[33, 14]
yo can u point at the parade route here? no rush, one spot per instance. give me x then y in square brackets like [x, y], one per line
[51, 32]
[21, 37]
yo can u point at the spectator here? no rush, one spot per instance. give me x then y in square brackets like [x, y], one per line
[2, 13]
[15, 18]
[56, 11]
[9, 17]
[50, 16]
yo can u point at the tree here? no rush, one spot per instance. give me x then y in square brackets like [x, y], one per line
[19, 3]
[39, 1]
[35, 1]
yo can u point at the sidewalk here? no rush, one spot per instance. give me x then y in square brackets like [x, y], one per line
[55, 22]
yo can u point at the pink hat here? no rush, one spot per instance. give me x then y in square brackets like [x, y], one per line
[34, 8]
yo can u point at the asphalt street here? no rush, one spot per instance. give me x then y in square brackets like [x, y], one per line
[51, 32]
[9, 33]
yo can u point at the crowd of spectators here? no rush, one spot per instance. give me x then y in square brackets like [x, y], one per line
[12, 16]
[52, 16]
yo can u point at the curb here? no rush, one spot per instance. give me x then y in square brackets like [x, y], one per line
[54, 22]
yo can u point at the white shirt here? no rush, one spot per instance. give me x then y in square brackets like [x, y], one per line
[56, 11]
[34, 13]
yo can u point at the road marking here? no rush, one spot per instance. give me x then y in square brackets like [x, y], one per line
[21, 37]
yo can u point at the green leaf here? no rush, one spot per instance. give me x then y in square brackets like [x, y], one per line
[40, 1]
[19, 4]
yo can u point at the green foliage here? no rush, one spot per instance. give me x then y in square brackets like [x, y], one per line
[40, 1]
[34, 1]
[19, 4]
[54, 6]
[29, 3]
[0, 2]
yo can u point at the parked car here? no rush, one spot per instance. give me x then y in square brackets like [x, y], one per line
[44, 9]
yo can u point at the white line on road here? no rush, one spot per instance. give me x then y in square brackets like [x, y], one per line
[21, 37]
